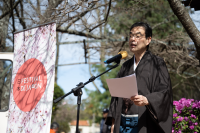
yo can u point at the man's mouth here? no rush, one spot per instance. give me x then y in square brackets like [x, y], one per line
[133, 45]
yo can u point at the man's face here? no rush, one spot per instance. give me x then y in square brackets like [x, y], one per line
[137, 40]
[55, 129]
[105, 115]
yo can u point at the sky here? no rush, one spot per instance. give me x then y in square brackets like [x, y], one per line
[196, 19]
[69, 76]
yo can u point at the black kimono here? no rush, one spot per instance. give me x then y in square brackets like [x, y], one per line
[154, 83]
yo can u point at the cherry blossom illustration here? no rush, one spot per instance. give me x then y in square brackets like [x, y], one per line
[38, 43]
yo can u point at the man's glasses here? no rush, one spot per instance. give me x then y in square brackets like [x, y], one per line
[137, 36]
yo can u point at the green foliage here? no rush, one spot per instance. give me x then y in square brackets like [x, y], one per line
[96, 101]
[184, 87]
[58, 92]
[64, 126]
[111, 74]
[124, 13]
[166, 27]
[154, 12]
[186, 115]
[64, 115]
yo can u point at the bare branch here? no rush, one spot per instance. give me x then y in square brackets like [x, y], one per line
[175, 85]
[91, 71]
[20, 19]
[184, 17]
[89, 35]
[163, 22]
[79, 16]
[8, 12]
[123, 43]
[52, 4]
[13, 20]
[38, 7]
[105, 20]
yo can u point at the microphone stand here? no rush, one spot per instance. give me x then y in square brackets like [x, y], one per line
[78, 92]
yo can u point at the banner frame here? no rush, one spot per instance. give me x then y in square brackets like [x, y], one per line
[34, 27]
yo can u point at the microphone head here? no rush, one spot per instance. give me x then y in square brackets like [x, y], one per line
[124, 54]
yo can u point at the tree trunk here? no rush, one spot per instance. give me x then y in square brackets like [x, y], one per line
[3, 29]
[5, 81]
[184, 17]
[57, 55]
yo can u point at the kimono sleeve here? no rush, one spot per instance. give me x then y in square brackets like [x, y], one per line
[160, 100]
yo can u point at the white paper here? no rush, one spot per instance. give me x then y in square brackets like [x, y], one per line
[125, 87]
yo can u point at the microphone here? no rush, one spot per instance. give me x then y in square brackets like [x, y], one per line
[121, 55]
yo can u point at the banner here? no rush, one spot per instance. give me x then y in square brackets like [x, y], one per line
[32, 89]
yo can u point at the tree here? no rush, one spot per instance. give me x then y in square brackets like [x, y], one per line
[58, 92]
[192, 53]
[185, 19]
[170, 41]
[71, 17]
[5, 83]
[64, 115]
[96, 100]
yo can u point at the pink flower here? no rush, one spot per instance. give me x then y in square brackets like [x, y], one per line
[195, 105]
[179, 108]
[187, 103]
[182, 100]
[192, 100]
[193, 116]
[186, 119]
[188, 108]
[180, 119]
[175, 103]
[190, 123]
[175, 115]
[192, 127]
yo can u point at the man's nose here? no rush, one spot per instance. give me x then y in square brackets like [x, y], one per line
[132, 38]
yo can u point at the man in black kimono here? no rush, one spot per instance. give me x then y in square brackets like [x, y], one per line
[154, 103]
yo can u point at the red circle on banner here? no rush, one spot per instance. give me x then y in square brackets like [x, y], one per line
[29, 84]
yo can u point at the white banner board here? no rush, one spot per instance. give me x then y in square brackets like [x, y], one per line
[32, 89]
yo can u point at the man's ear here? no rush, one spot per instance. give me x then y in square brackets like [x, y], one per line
[148, 40]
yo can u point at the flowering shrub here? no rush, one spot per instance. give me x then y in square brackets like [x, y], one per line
[186, 116]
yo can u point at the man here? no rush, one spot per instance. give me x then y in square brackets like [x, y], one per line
[151, 110]
[103, 127]
[54, 127]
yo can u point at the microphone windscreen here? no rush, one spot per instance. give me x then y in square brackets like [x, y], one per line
[124, 54]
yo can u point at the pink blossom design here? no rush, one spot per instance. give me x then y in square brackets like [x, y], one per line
[36, 43]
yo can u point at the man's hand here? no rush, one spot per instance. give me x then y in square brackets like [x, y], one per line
[112, 126]
[140, 100]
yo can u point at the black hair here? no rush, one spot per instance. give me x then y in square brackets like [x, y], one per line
[105, 110]
[54, 125]
[148, 29]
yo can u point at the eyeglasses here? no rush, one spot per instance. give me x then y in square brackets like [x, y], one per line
[137, 36]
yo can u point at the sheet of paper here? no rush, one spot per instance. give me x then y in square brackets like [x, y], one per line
[123, 87]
